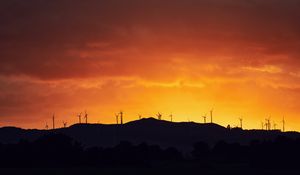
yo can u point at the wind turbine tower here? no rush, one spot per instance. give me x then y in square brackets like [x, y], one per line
[121, 117]
[204, 118]
[86, 117]
[211, 115]
[171, 116]
[53, 121]
[268, 124]
[241, 122]
[159, 116]
[274, 125]
[65, 124]
[117, 118]
[283, 124]
[47, 127]
[79, 118]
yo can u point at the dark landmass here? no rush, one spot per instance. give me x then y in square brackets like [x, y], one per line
[163, 133]
[148, 146]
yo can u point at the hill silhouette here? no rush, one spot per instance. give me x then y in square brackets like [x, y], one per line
[148, 146]
[181, 135]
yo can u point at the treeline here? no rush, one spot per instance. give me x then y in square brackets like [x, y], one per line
[56, 150]
[281, 153]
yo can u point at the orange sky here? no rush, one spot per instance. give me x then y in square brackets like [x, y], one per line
[173, 56]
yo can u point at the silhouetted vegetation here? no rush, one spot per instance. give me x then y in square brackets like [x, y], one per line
[57, 150]
[281, 153]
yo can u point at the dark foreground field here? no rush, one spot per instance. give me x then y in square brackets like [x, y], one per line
[170, 169]
[148, 147]
[60, 154]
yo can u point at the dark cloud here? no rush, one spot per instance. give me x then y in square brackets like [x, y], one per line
[139, 38]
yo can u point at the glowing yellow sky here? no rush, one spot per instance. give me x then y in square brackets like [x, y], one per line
[185, 58]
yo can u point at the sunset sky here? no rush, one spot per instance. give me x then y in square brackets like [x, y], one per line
[241, 58]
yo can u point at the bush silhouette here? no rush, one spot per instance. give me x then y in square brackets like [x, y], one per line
[57, 150]
[201, 151]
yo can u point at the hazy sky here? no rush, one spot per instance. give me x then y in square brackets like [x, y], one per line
[170, 56]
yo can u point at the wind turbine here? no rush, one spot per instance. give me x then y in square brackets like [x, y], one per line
[211, 115]
[274, 125]
[140, 116]
[121, 117]
[268, 124]
[53, 121]
[204, 118]
[117, 118]
[65, 124]
[241, 122]
[171, 116]
[79, 117]
[86, 117]
[47, 127]
[283, 124]
[158, 116]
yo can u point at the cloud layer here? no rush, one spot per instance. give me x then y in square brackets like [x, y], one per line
[72, 52]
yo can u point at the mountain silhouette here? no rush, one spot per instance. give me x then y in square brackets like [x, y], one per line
[181, 135]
